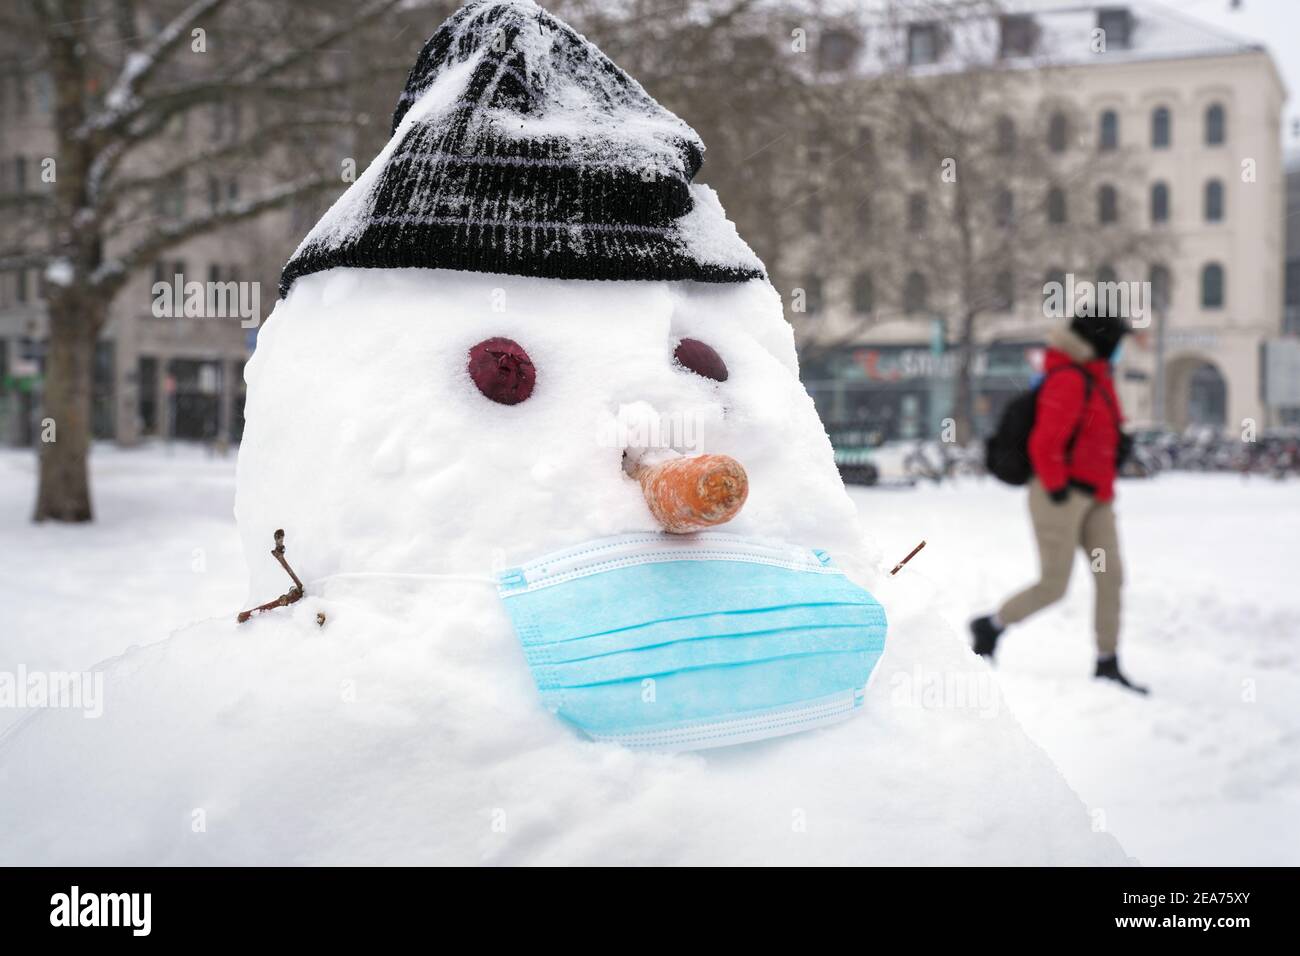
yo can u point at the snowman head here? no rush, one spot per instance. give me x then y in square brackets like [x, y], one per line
[523, 300]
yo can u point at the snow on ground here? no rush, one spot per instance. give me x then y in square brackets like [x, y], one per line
[1206, 771]
[162, 553]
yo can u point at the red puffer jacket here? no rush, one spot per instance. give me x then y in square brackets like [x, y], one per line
[1090, 464]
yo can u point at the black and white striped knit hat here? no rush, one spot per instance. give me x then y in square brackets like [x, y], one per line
[518, 147]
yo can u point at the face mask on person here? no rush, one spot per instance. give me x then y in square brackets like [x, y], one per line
[1117, 354]
[681, 642]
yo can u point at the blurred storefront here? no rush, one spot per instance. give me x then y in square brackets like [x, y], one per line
[902, 392]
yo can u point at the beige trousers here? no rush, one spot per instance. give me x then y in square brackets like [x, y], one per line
[1090, 525]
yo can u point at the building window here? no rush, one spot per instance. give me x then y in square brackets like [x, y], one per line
[1117, 25]
[1058, 133]
[1216, 133]
[917, 212]
[167, 272]
[1054, 277]
[1018, 35]
[1004, 208]
[866, 144]
[1161, 287]
[225, 120]
[1056, 211]
[864, 297]
[813, 299]
[1159, 202]
[1291, 298]
[864, 216]
[21, 97]
[916, 294]
[1004, 292]
[1214, 200]
[220, 273]
[169, 197]
[1160, 131]
[1108, 135]
[20, 174]
[1107, 204]
[836, 50]
[922, 43]
[916, 142]
[1212, 283]
[1006, 136]
[812, 216]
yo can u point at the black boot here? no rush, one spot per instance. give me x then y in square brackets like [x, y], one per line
[1108, 669]
[986, 636]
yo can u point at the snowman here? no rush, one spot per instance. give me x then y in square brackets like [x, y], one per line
[579, 580]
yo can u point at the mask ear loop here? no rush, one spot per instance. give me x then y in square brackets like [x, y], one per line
[409, 575]
[399, 575]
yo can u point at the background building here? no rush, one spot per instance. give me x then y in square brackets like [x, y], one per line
[1194, 114]
[826, 159]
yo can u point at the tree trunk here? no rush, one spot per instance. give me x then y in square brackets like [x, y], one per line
[64, 490]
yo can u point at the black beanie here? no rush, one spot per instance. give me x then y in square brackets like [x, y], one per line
[518, 147]
[1101, 331]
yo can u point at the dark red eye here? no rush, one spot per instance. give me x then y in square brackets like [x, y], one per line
[502, 370]
[701, 359]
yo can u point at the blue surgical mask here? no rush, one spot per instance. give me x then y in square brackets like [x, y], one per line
[1117, 354]
[681, 642]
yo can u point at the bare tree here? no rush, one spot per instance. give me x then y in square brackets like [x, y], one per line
[124, 75]
[947, 193]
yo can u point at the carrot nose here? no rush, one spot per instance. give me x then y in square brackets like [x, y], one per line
[690, 494]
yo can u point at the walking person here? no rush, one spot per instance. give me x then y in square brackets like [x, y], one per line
[1074, 449]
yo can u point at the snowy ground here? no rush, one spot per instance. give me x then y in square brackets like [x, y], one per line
[1206, 771]
[162, 553]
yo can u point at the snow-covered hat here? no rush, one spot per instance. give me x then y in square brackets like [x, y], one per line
[518, 147]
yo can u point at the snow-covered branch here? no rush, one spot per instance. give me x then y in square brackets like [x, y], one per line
[277, 66]
[113, 272]
[136, 117]
[250, 145]
[122, 99]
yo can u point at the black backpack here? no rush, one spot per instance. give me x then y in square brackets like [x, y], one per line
[1006, 453]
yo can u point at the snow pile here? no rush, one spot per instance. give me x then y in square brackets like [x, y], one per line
[405, 735]
[161, 553]
[407, 728]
